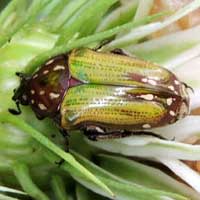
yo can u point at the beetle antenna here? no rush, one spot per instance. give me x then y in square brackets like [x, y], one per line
[21, 75]
[189, 87]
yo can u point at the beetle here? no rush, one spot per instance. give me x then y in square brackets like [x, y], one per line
[107, 95]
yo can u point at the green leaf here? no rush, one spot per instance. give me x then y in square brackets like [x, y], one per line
[119, 16]
[144, 8]
[86, 15]
[145, 175]
[22, 173]
[84, 194]
[7, 118]
[146, 146]
[10, 190]
[64, 12]
[148, 29]
[97, 37]
[4, 197]
[157, 50]
[28, 17]
[182, 170]
[58, 187]
[121, 188]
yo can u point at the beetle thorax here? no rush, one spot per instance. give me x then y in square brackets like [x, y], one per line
[48, 86]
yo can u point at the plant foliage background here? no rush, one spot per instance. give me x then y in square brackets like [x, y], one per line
[31, 31]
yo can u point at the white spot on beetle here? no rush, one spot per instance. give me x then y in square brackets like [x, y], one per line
[169, 101]
[49, 62]
[53, 95]
[58, 67]
[144, 80]
[176, 82]
[45, 71]
[171, 87]
[147, 96]
[99, 130]
[32, 91]
[154, 78]
[146, 126]
[35, 76]
[172, 113]
[24, 97]
[42, 106]
[152, 82]
[32, 101]
[42, 92]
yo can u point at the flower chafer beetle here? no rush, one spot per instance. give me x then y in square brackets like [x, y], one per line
[104, 94]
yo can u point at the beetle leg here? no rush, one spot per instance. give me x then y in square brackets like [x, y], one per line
[122, 52]
[15, 111]
[60, 162]
[96, 136]
[103, 43]
[188, 87]
[65, 134]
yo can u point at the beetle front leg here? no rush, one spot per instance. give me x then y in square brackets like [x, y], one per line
[65, 134]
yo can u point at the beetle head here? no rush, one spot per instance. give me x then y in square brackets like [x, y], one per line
[19, 93]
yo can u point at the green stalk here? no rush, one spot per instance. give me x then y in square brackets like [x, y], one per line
[37, 61]
[85, 15]
[144, 8]
[10, 190]
[148, 29]
[83, 194]
[32, 11]
[8, 11]
[132, 171]
[22, 173]
[66, 13]
[4, 197]
[119, 16]
[7, 118]
[58, 187]
[121, 188]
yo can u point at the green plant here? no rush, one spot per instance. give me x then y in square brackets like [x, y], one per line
[33, 31]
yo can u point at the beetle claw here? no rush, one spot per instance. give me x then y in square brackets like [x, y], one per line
[60, 162]
[14, 111]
